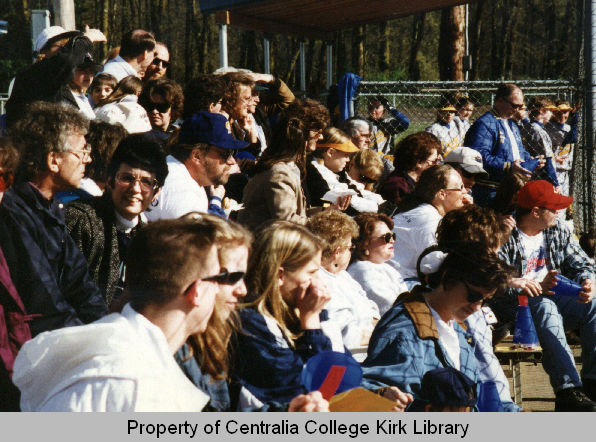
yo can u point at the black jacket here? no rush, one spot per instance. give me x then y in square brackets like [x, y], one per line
[42, 80]
[46, 266]
[92, 225]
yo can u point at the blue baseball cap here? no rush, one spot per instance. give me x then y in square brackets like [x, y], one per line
[445, 387]
[208, 128]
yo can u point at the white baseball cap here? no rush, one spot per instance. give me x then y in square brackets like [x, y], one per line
[52, 33]
[468, 159]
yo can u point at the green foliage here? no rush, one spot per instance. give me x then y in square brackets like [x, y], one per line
[8, 69]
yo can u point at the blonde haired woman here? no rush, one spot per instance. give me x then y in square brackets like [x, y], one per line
[281, 328]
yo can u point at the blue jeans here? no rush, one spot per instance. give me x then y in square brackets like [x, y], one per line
[552, 314]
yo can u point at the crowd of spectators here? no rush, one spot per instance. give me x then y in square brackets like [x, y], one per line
[170, 248]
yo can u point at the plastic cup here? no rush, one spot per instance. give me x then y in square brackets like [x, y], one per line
[331, 373]
[525, 333]
[566, 287]
[488, 398]
[531, 164]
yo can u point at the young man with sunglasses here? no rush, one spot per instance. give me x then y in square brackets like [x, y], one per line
[498, 140]
[124, 362]
[540, 247]
[102, 227]
[47, 267]
[203, 156]
[159, 66]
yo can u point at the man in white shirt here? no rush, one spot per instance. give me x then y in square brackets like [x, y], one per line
[203, 156]
[136, 54]
[439, 190]
[124, 361]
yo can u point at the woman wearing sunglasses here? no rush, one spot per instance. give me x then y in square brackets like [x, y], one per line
[421, 331]
[350, 309]
[373, 248]
[163, 100]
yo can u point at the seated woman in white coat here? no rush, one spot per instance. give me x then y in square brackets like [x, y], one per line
[349, 308]
[374, 247]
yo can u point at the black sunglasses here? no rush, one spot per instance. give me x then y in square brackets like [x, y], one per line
[225, 277]
[162, 108]
[513, 105]
[366, 179]
[387, 237]
[474, 296]
[157, 61]
[225, 154]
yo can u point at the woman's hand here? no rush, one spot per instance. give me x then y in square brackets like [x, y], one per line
[587, 292]
[342, 203]
[310, 305]
[308, 403]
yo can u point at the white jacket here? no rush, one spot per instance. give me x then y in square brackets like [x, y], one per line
[120, 363]
[127, 112]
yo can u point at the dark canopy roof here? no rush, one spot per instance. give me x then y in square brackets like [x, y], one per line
[314, 18]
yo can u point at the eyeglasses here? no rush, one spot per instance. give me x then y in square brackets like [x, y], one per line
[162, 108]
[224, 154]
[156, 62]
[474, 296]
[513, 105]
[127, 179]
[365, 179]
[434, 161]
[388, 237]
[6, 179]
[225, 277]
[457, 189]
[82, 154]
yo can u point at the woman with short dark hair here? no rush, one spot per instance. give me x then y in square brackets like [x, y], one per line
[103, 226]
[413, 155]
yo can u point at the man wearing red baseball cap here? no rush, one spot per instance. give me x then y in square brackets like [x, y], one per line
[540, 247]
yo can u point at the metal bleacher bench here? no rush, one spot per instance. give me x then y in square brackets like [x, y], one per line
[507, 352]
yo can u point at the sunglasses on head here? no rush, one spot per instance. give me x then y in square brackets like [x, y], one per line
[162, 108]
[365, 179]
[225, 277]
[157, 61]
[387, 237]
[474, 296]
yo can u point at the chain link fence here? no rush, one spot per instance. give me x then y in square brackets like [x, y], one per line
[419, 101]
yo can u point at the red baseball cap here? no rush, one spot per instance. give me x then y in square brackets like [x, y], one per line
[541, 193]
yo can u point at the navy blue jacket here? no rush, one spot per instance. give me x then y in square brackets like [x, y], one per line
[266, 364]
[48, 270]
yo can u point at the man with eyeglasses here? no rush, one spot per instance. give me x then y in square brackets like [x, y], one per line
[203, 156]
[498, 140]
[124, 362]
[102, 227]
[48, 268]
[540, 248]
[159, 66]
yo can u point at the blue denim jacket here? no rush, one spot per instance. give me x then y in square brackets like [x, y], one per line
[405, 345]
[489, 137]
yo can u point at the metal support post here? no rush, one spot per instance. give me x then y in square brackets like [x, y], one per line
[223, 45]
[302, 68]
[266, 56]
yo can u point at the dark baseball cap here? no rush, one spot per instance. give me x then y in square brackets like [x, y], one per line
[448, 386]
[209, 128]
[541, 193]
